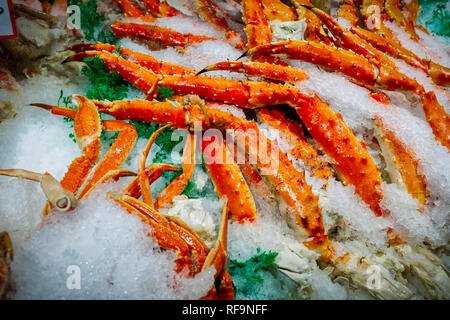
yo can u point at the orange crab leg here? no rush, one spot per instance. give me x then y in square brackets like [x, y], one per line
[144, 180]
[302, 150]
[160, 9]
[347, 11]
[142, 59]
[154, 34]
[165, 237]
[439, 74]
[314, 30]
[254, 68]
[349, 40]
[437, 118]
[351, 64]
[394, 12]
[177, 186]
[406, 163]
[277, 10]
[116, 155]
[133, 10]
[153, 172]
[257, 28]
[351, 158]
[206, 10]
[228, 179]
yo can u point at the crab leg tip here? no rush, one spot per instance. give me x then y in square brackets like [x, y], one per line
[202, 71]
[243, 55]
[42, 105]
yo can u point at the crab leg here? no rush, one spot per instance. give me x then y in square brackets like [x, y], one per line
[349, 40]
[153, 172]
[351, 64]
[314, 30]
[88, 127]
[6, 257]
[394, 12]
[302, 149]
[257, 28]
[88, 50]
[228, 180]
[160, 8]
[156, 36]
[439, 73]
[162, 233]
[206, 10]
[277, 10]
[254, 68]
[347, 11]
[177, 186]
[144, 179]
[133, 10]
[406, 163]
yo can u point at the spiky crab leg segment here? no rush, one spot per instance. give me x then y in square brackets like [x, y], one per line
[395, 12]
[153, 172]
[145, 60]
[247, 94]
[347, 11]
[277, 10]
[351, 158]
[197, 246]
[177, 186]
[267, 70]
[374, 15]
[206, 10]
[303, 212]
[437, 118]
[314, 30]
[162, 233]
[257, 28]
[390, 47]
[406, 163]
[156, 36]
[302, 150]
[344, 61]
[350, 41]
[228, 180]
[140, 77]
[133, 10]
[160, 8]
[116, 154]
[144, 179]
[88, 127]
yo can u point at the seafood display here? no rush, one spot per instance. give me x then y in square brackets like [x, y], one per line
[252, 149]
